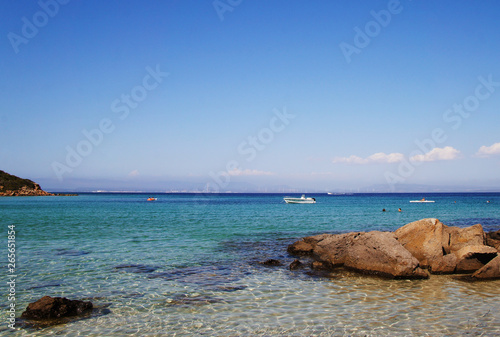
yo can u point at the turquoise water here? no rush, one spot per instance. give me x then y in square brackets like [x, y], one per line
[188, 264]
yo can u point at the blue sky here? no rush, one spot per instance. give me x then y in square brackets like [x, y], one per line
[251, 95]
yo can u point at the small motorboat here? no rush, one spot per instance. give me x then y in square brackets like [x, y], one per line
[422, 200]
[301, 200]
[152, 199]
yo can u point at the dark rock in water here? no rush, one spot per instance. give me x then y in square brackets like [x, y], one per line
[55, 307]
[136, 268]
[71, 252]
[296, 264]
[46, 285]
[271, 262]
[318, 265]
[206, 276]
[192, 301]
[37, 324]
[230, 289]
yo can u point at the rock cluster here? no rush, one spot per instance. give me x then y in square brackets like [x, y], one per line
[413, 251]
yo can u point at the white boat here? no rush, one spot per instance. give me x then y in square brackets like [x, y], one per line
[301, 200]
[422, 200]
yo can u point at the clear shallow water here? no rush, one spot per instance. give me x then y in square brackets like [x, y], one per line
[188, 265]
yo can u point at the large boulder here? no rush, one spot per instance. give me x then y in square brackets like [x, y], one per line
[380, 253]
[490, 271]
[423, 239]
[455, 238]
[55, 307]
[332, 250]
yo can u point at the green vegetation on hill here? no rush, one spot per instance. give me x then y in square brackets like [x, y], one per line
[13, 183]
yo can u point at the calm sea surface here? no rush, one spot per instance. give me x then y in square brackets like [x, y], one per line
[188, 264]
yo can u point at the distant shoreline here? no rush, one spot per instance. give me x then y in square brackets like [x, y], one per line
[72, 193]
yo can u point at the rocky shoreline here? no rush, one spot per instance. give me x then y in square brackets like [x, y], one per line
[26, 191]
[414, 251]
[12, 186]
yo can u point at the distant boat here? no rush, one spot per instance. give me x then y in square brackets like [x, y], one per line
[301, 200]
[152, 199]
[422, 200]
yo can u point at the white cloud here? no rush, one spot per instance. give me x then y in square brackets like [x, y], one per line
[486, 151]
[379, 157]
[134, 173]
[445, 153]
[248, 172]
[386, 158]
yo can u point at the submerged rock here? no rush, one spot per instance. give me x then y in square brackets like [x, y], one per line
[296, 264]
[55, 307]
[271, 263]
[136, 268]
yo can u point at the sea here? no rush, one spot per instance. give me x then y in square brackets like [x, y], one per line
[191, 265]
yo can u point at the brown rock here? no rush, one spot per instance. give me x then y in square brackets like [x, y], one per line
[490, 271]
[493, 239]
[373, 252]
[332, 249]
[272, 263]
[55, 307]
[296, 264]
[423, 239]
[445, 265]
[455, 238]
[380, 253]
[494, 235]
[472, 258]
[318, 265]
[493, 243]
[300, 248]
